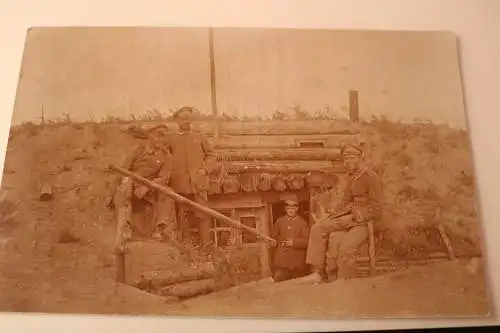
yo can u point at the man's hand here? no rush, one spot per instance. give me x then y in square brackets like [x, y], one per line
[141, 192]
[287, 243]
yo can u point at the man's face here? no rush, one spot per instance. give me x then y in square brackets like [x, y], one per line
[352, 161]
[184, 120]
[291, 210]
[158, 136]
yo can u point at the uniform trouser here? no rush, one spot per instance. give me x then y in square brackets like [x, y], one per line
[335, 247]
[165, 211]
[204, 221]
[283, 274]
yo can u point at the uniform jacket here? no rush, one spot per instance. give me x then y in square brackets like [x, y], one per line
[363, 195]
[296, 229]
[152, 163]
[194, 159]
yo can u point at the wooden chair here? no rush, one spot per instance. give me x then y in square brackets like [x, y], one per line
[370, 241]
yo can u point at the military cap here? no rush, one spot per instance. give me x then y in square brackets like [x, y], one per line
[290, 199]
[156, 127]
[183, 109]
[351, 149]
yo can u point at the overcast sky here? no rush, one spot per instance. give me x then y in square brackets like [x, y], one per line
[120, 71]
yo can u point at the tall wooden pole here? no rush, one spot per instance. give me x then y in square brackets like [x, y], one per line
[212, 83]
[353, 106]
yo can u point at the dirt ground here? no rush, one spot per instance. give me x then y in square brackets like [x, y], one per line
[56, 256]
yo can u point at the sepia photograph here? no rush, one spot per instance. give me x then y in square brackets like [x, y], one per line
[241, 172]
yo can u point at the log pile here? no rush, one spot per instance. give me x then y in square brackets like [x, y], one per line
[180, 283]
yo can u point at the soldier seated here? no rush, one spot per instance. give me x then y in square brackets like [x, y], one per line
[153, 162]
[337, 237]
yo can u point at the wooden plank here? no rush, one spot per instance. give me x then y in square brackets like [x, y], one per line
[183, 200]
[298, 154]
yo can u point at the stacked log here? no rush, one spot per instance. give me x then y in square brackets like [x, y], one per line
[278, 183]
[214, 186]
[295, 181]
[231, 184]
[265, 182]
[180, 283]
[249, 182]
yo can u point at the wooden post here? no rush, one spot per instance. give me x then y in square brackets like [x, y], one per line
[371, 248]
[312, 206]
[353, 106]
[213, 83]
[43, 116]
[120, 266]
[444, 237]
[263, 227]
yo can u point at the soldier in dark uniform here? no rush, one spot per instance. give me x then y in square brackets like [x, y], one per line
[194, 160]
[291, 232]
[154, 162]
[345, 229]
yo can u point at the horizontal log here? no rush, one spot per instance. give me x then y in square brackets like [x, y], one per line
[297, 154]
[283, 167]
[276, 127]
[189, 289]
[278, 184]
[279, 142]
[436, 255]
[168, 277]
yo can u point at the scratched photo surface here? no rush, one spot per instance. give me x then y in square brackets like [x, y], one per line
[240, 172]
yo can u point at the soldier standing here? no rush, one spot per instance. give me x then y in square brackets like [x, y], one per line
[345, 229]
[153, 162]
[194, 160]
[291, 232]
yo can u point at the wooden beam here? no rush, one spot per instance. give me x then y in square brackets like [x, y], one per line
[278, 167]
[256, 128]
[297, 154]
[353, 106]
[179, 198]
